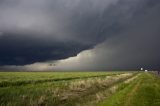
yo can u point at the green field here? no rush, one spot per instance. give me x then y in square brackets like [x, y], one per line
[79, 89]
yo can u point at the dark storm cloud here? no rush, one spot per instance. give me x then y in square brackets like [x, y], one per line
[136, 46]
[20, 50]
[41, 30]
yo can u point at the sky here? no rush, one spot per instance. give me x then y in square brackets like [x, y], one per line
[79, 35]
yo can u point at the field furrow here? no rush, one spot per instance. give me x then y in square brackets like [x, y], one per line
[61, 92]
[22, 79]
[81, 89]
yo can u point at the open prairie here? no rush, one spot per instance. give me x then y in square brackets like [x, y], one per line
[79, 89]
[79, 52]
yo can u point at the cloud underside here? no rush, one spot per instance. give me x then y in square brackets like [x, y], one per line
[91, 34]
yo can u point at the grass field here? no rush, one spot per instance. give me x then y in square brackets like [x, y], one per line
[79, 89]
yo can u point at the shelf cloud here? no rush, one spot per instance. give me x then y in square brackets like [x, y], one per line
[91, 34]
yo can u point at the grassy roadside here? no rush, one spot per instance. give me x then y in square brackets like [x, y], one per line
[148, 93]
[144, 91]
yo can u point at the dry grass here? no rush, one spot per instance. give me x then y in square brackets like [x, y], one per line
[81, 91]
[93, 86]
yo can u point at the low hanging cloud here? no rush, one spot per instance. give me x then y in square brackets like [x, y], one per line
[136, 47]
[120, 33]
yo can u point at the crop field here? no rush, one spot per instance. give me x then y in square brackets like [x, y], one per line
[79, 89]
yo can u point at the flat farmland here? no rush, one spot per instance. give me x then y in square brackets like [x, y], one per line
[79, 89]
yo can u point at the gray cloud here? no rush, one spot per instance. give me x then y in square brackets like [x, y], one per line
[57, 18]
[39, 30]
[135, 47]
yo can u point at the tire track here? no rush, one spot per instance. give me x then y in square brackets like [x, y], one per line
[131, 94]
